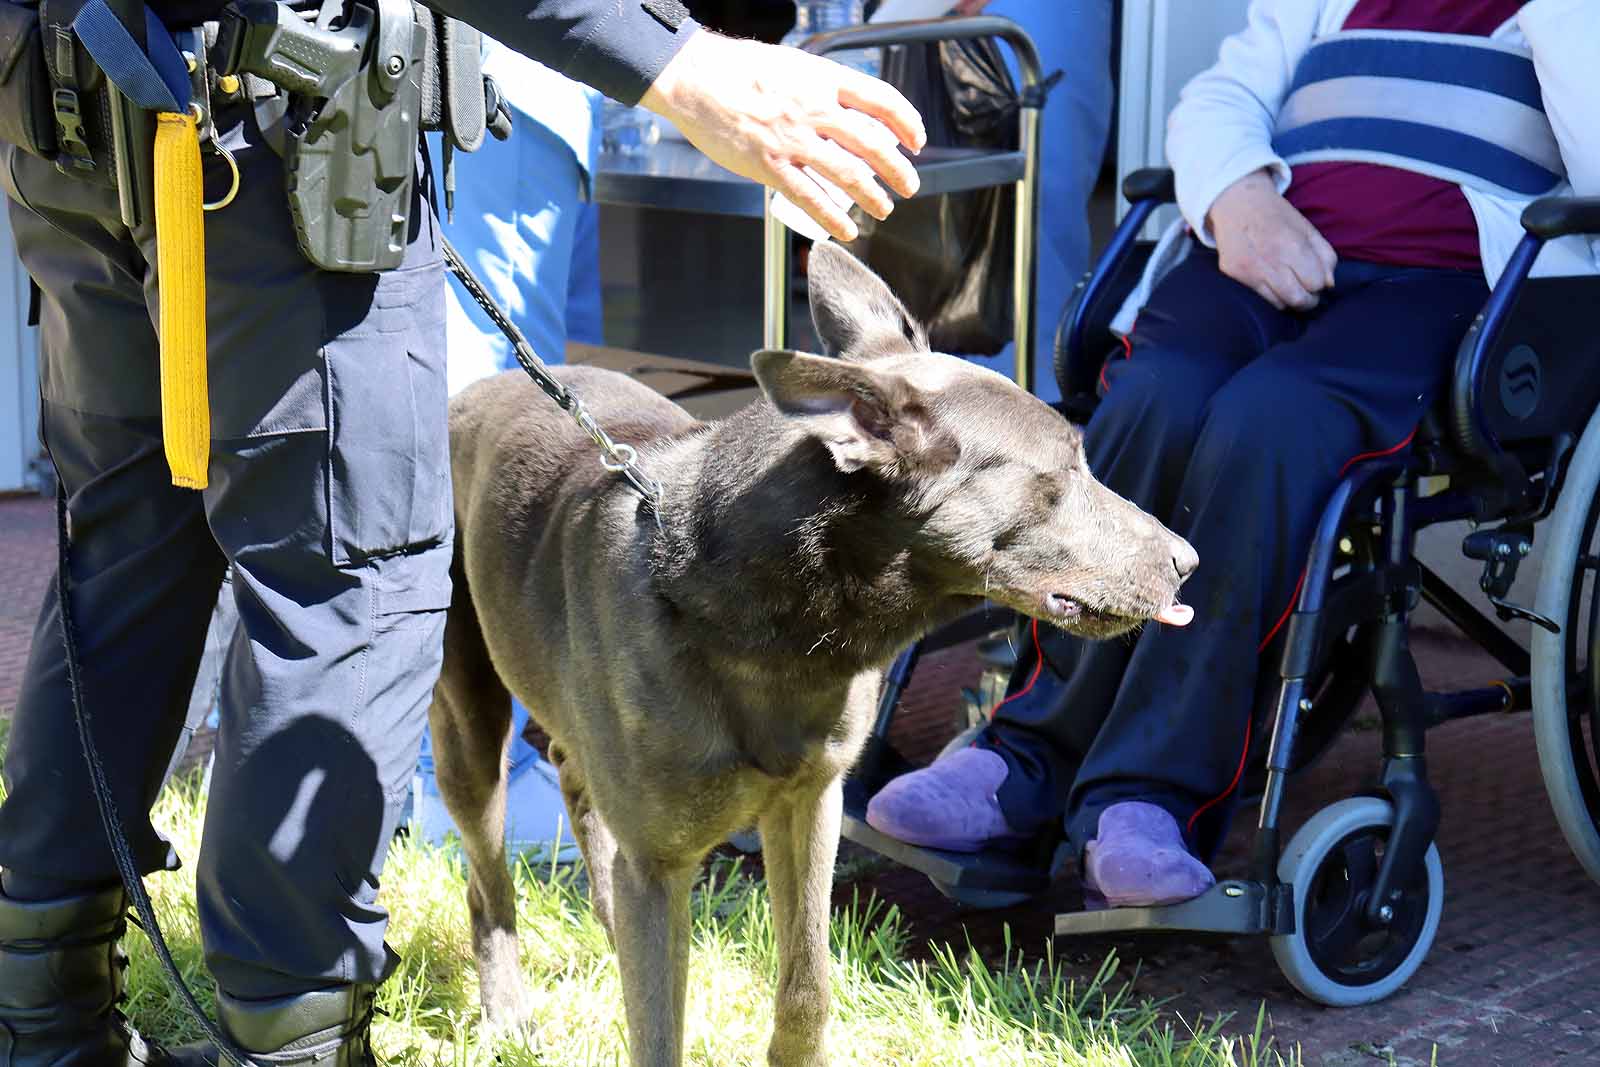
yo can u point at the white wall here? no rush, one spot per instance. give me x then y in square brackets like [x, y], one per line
[19, 379]
[1164, 44]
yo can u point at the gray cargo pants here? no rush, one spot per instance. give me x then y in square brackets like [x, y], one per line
[329, 504]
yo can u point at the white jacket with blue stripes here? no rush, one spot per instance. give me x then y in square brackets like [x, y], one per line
[1222, 127]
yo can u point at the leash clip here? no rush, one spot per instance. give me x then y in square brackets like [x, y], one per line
[617, 458]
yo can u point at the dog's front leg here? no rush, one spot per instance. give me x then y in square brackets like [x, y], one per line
[799, 841]
[651, 921]
[594, 837]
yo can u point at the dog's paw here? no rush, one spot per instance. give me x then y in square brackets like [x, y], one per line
[795, 1053]
[509, 1017]
[507, 1006]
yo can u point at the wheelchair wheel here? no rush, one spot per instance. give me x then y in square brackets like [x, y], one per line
[1566, 666]
[1334, 956]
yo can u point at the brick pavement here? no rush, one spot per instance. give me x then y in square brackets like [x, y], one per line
[1514, 973]
[27, 549]
[1515, 969]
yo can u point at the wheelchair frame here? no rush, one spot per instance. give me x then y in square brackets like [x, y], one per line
[1361, 577]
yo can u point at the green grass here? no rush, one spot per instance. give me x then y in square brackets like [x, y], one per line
[951, 1008]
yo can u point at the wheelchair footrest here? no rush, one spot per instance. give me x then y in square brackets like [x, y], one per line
[991, 871]
[1231, 907]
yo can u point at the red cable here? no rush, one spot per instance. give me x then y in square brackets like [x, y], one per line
[1237, 774]
[1038, 665]
[1127, 353]
[1294, 598]
[1353, 460]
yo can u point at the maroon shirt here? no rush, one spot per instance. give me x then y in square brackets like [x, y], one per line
[1382, 214]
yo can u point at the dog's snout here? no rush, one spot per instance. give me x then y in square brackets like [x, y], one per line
[1184, 558]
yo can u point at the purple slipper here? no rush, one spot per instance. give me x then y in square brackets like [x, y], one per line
[1138, 860]
[949, 804]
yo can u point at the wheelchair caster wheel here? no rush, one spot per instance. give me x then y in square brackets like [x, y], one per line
[1335, 955]
[981, 899]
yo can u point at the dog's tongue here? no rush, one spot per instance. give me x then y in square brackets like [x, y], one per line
[1176, 615]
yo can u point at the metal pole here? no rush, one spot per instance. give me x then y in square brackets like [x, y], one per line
[775, 278]
[1022, 282]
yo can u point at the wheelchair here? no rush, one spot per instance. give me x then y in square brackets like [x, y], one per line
[1352, 902]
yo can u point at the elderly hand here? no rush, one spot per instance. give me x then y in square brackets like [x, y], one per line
[773, 113]
[1263, 242]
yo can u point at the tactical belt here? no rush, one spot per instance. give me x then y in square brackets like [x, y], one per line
[111, 96]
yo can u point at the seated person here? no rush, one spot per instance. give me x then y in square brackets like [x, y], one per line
[1350, 174]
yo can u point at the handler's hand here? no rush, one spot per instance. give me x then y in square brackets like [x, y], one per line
[771, 113]
[1263, 242]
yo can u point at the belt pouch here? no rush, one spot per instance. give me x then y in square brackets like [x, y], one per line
[27, 113]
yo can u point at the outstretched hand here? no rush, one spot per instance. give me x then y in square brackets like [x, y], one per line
[786, 118]
[1265, 243]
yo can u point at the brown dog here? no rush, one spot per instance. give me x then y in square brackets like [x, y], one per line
[719, 668]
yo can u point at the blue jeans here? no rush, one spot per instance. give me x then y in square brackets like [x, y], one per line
[523, 225]
[1074, 37]
[525, 228]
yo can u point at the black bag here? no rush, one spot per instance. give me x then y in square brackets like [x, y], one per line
[950, 257]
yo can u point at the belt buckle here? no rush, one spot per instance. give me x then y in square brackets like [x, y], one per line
[69, 121]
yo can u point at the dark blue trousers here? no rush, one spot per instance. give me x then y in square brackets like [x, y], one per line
[1231, 422]
[330, 506]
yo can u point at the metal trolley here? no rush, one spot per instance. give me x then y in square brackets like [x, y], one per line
[942, 170]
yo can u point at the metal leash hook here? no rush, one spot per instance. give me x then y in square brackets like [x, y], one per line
[617, 458]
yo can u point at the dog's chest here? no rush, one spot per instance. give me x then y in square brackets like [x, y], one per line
[742, 759]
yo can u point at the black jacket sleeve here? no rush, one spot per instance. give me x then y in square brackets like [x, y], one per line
[617, 46]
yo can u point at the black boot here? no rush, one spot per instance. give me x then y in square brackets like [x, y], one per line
[327, 1028]
[61, 978]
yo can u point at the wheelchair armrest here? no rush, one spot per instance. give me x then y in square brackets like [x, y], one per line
[1557, 216]
[1473, 435]
[1151, 183]
[1081, 342]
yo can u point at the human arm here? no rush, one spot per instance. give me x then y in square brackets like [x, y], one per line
[764, 112]
[1229, 180]
[1564, 36]
[771, 113]
[1265, 243]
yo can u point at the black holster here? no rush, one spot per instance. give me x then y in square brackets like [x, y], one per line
[360, 89]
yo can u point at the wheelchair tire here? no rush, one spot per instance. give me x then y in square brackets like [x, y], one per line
[1570, 762]
[1334, 956]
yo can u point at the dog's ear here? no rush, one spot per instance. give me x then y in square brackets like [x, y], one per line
[855, 314]
[864, 417]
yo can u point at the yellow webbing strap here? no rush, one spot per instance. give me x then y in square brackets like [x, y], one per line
[181, 267]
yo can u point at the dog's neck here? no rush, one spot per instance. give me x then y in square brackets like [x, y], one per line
[776, 553]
